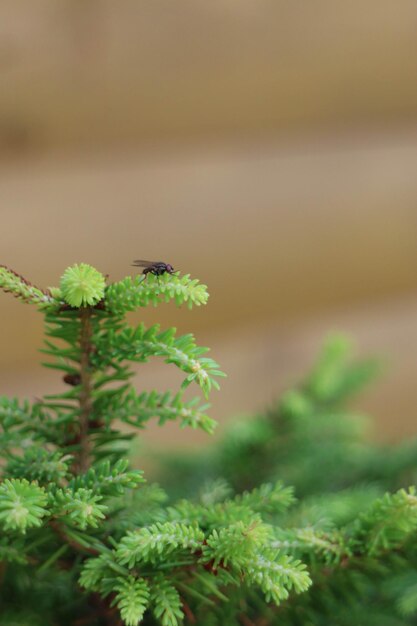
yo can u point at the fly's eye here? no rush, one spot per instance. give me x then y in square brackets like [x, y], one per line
[170, 268]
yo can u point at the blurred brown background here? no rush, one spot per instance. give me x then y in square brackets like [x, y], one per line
[268, 147]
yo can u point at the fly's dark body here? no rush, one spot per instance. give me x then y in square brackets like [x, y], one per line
[157, 268]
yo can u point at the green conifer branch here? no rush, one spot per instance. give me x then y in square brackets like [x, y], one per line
[151, 544]
[137, 409]
[130, 293]
[19, 419]
[277, 574]
[41, 465]
[166, 602]
[21, 288]
[387, 524]
[108, 479]
[138, 344]
[22, 505]
[250, 507]
[132, 599]
[328, 547]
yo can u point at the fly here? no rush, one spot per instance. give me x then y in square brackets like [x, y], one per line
[157, 268]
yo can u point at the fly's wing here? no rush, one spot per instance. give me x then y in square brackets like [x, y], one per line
[140, 263]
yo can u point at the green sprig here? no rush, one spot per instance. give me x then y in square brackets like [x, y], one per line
[130, 293]
[82, 285]
[22, 505]
[19, 287]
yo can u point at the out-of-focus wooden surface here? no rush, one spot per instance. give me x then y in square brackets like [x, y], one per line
[267, 147]
[98, 73]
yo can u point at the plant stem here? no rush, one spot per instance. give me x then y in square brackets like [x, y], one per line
[77, 547]
[85, 392]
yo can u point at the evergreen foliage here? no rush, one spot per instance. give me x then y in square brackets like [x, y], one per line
[293, 519]
[354, 523]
